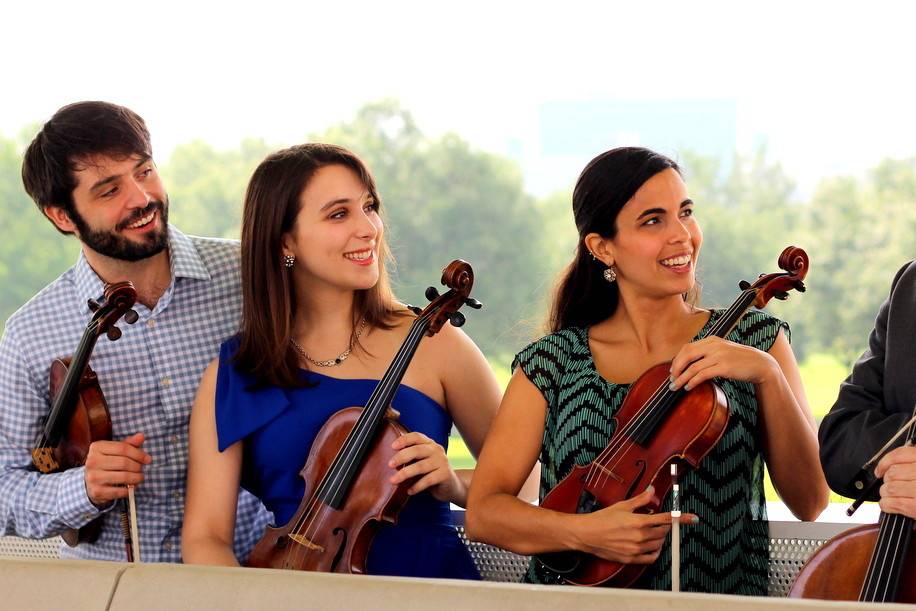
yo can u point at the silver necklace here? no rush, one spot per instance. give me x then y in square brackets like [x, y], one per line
[340, 358]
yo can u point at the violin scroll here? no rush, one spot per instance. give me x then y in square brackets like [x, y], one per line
[794, 261]
[117, 303]
[458, 276]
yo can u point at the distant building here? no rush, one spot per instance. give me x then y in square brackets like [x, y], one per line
[571, 133]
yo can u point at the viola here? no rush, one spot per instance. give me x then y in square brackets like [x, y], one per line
[656, 427]
[79, 413]
[347, 489]
[868, 563]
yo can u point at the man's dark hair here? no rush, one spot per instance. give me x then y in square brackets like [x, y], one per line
[74, 134]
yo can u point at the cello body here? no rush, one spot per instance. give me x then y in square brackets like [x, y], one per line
[686, 435]
[321, 538]
[836, 571]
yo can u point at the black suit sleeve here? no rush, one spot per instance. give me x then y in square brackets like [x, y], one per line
[859, 423]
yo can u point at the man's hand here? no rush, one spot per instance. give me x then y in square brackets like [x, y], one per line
[898, 493]
[111, 466]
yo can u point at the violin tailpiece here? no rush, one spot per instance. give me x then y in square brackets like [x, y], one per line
[43, 459]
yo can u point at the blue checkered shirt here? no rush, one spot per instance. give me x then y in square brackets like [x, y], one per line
[149, 378]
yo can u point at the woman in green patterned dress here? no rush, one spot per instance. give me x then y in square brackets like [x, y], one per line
[622, 306]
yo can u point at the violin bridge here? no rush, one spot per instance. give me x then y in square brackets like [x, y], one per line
[306, 542]
[43, 459]
[609, 473]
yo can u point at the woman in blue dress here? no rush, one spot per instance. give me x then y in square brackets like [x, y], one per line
[319, 328]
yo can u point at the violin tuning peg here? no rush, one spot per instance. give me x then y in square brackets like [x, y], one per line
[457, 319]
[781, 295]
[93, 304]
[473, 303]
[113, 333]
[744, 285]
[800, 287]
[431, 293]
[131, 316]
[416, 310]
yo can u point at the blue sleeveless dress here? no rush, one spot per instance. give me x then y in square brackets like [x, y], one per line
[278, 426]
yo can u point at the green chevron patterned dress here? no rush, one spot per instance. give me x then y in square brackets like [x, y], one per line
[727, 552]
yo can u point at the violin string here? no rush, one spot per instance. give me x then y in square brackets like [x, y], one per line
[662, 393]
[343, 457]
[602, 465]
[356, 438]
[359, 436]
[45, 442]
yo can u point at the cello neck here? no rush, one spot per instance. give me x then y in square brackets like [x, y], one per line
[336, 484]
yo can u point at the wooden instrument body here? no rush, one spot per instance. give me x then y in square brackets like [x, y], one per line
[836, 571]
[90, 420]
[337, 540]
[688, 433]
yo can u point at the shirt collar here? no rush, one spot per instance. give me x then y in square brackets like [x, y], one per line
[184, 259]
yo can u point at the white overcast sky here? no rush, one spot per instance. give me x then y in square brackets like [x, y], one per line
[829, 86]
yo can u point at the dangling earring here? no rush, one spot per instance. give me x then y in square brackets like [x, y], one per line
[609, 274]
[289, 260]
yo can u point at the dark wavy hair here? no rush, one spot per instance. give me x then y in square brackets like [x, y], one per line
[583, 298]
[74, 134]
[268, 299]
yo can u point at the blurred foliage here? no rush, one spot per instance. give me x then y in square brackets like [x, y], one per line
[443, 200]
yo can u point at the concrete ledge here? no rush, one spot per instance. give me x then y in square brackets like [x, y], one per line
[47, 584]
[58, 584]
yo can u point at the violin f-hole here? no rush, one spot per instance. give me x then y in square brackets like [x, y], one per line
[341, 532]
[641, 465]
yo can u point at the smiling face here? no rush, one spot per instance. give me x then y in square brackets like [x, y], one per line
[658, 240]
[120, 208]
[337, 233]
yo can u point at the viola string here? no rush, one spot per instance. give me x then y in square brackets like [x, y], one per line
[335, 477]
[603, 464]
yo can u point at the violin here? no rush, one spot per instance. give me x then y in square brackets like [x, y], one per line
[868, 563]
[655, 428]
[347, 489]
[79, 413]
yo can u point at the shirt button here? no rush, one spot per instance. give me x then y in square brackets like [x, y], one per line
[150, 323]
[174, 439]
[167, 545]
[176, 494]
[166, 382]
[88, 516]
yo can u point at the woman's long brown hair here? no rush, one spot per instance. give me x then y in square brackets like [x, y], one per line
[268, 298]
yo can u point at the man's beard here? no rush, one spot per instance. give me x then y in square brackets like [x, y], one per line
[113, 245]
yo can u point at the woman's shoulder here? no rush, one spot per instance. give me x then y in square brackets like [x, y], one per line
[558, 347]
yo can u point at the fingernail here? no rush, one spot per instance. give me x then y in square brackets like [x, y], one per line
[687, 386]
[649, 488]
[391, 463]
[695, 520]
[672, 386]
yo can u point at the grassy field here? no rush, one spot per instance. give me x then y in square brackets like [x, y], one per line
[821, 374]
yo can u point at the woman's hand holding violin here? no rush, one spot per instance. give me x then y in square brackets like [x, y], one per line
[422, 458]
[618, 534]
[714, 357]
